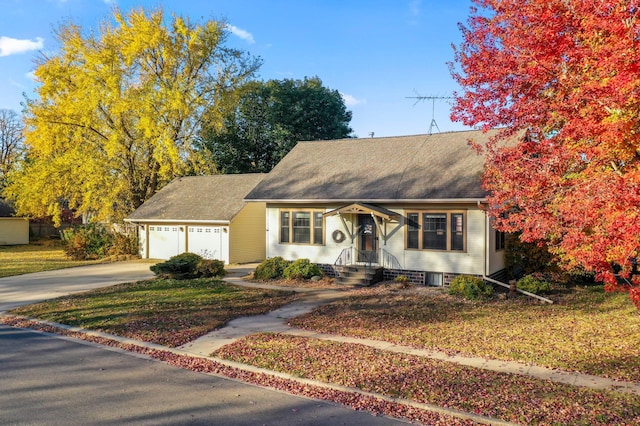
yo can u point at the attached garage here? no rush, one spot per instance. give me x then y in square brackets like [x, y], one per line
[205, 215]
[165, 241]
[210, 242]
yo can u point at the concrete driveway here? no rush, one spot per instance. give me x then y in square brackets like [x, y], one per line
[30, 288]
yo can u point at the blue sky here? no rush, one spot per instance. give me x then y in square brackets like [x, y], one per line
[377, 53]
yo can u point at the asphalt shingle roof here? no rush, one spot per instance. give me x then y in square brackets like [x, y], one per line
[422, 167]
[201, 198]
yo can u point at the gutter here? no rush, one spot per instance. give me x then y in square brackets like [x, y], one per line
[178, 221]
[382, 200]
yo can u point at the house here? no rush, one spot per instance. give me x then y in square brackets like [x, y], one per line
[205, 215]
[409, 205]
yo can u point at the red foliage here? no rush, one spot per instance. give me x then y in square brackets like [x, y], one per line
[562, 79]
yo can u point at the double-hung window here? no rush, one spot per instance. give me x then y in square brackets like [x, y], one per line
[436, 230]
[302, 226]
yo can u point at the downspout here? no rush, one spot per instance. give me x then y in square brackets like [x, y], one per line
[487, 242]
[266, 213]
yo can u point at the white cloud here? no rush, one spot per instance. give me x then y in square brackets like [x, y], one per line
[350, 100]
[239, 32]
[12, 46]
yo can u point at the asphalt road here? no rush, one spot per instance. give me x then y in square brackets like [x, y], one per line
[53, 380]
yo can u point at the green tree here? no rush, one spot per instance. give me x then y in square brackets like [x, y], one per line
[270, 118]
[118, 112]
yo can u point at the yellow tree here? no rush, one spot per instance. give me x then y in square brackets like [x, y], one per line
[118, 111]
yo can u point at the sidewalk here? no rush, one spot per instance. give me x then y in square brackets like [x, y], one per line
[276, 322]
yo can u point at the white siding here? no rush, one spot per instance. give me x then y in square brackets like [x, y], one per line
[496, 258]
[327, 253]
[472, 261]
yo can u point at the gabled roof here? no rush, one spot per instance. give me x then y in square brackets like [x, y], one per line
[360, 208]
[198, 198]
[406, 168]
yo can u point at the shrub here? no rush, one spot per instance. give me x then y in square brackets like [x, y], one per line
[533, 284]
[123, 244]
[207, 268]
[181, 266]
[94, 241]
[471, 288]
[523, 258]
[86, 242]
[401, 279]
[301, 268]
[271, 269]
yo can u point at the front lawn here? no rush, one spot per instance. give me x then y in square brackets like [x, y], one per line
[510, 397]
[163, 311]
[35, 257]
[590, 331]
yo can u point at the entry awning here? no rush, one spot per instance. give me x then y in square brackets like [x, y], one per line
[362, 208]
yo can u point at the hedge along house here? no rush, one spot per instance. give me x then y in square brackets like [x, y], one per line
[205, 215]
[410, 205]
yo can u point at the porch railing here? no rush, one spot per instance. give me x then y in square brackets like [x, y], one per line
[388, 260]
[352, 256]
[345, 257]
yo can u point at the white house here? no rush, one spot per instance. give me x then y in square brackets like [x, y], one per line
[409, 205]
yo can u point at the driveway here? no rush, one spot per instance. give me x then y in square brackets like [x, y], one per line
[30, 288]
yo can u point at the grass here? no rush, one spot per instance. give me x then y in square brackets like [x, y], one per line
[35, 257]
[590, 331]
[509, 397]
[163, 311]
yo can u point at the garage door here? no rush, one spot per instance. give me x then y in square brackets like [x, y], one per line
[210, 242]
[165, 241]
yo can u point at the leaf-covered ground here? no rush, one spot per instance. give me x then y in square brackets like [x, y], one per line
[350, 399]
[509, 397]
[590, 331]
[167, 312]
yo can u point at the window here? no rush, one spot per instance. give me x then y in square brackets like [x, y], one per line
[302, 227]
[457, 231]
[413, 228]
[500, 240]
[436, 230]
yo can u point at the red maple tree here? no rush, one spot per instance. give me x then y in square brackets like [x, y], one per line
[561, 78]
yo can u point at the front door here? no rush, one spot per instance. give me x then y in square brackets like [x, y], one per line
[368, 239]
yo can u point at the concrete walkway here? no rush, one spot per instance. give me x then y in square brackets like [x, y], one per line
[276, 322]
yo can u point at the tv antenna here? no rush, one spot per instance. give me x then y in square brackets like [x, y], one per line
[433, 99]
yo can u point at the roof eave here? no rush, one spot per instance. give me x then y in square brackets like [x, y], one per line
[200, 221]
[360, 200]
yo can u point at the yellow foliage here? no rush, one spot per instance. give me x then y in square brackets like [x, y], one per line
[118, 112]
